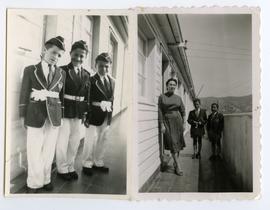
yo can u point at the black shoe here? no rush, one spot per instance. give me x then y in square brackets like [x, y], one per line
[212, 157]
[194, 156]
[198, 156]
[218, 157]
[87, 171]
[64, 176]
[48, 187]
[33, 190]
[73, 175]
[163, 167]
[102, 169]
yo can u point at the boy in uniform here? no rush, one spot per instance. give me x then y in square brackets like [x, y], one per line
[99, 116]
[76, 102]
[41, 112]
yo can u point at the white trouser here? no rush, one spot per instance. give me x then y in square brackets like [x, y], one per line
[94, 147]
[41, 143]
[67, 144]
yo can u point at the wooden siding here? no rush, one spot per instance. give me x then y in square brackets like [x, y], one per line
[148, 140]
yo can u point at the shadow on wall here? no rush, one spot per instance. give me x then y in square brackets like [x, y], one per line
[237, 149]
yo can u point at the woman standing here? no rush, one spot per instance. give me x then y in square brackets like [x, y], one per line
[171, 119]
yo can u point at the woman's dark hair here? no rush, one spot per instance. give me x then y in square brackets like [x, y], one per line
[215, 104]
[196, 100]
[171, 79]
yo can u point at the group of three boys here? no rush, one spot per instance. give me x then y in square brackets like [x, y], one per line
[54, 103]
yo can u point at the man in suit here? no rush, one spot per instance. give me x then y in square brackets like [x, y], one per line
[40, 111]
[76, 102]
[99, 116]
[215, 125]
[197, 118]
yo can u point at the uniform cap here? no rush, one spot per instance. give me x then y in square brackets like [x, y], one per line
[57, 41]
[105, 57]
[80, 44]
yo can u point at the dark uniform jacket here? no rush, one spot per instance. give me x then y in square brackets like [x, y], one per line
[76, 86]
[36, 112]
[192, 118]
[215, 124]
[98, 93]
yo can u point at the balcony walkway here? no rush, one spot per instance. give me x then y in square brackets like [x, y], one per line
[199, 175]
[112, 183]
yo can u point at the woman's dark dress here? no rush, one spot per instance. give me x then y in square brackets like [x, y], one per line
[171, 113]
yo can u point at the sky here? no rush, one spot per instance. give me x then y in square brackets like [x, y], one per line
[219, 53]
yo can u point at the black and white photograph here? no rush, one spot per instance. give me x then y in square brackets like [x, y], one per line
[67, 102]
[133, 104]
[196, 104]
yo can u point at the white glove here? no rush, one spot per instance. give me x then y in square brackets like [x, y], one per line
[39, 95]
[109, 106]
[106, 106]
[103, 105]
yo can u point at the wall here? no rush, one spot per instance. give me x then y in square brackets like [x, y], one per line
[148, 141]
[237, 149]
[21, 52]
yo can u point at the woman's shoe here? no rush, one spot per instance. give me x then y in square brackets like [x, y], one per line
[177, 171]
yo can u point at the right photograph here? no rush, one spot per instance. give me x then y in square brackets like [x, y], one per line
[195, 115]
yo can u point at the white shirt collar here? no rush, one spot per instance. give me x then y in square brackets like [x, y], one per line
[214, 113]
[103, 77]
[45, 68]
[77, 68]
[45, 65]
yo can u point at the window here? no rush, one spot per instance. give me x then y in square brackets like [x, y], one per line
[142, 66]
[113, 46]
[83, 30]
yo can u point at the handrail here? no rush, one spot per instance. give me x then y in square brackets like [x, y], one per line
[238, 114]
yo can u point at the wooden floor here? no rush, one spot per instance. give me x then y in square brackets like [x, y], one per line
[213, 176]
[168, 181]
[112, 183]
[199, 175]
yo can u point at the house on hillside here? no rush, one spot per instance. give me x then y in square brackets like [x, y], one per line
[161, 55]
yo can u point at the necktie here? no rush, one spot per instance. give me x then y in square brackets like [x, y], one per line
[107, 86]
[197, 113]
[79, 73]
[50, 75]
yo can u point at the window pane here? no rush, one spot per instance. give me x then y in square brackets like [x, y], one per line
[141, 85]
[141, 64]
[113, 54]
[82, 30]
[141, 47]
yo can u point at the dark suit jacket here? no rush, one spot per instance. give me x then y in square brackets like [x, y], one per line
[215, 125]
[95, 114]
[36, 112]
[76, 86]
[192, 118]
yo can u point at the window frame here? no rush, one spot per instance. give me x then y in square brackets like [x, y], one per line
[145, 99]
[114, 56]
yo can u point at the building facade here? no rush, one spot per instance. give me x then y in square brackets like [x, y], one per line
[160, 57]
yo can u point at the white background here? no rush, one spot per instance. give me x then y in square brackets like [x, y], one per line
[72, 203]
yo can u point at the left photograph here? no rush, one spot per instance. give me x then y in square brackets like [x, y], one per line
[67, 86]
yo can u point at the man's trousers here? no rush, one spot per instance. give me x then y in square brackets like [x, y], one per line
[41, 143]
[67, 145]
[94, 148]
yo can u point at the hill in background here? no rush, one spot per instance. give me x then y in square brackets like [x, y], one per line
[229, 105]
